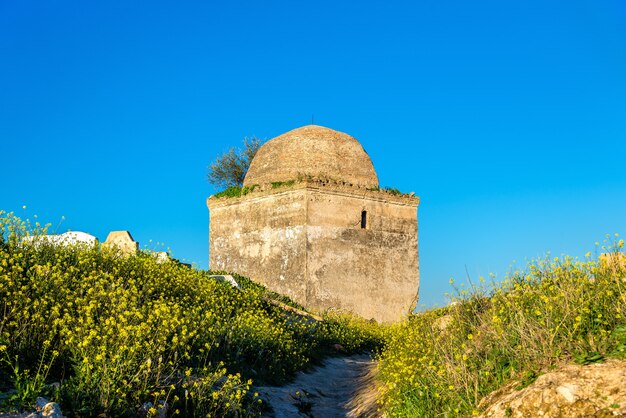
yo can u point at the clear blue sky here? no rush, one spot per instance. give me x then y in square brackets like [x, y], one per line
[508, 119]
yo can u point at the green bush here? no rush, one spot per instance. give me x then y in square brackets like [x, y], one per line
[277, 184]
[236, 191]
[232, 191]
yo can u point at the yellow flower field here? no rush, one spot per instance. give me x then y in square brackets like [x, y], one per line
[444, 361]
[119, 332]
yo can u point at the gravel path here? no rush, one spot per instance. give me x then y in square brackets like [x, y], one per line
[341, 387]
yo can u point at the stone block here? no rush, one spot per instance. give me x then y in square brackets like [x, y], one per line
[122, 241]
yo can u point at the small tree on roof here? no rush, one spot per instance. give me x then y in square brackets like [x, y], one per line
[230, 169]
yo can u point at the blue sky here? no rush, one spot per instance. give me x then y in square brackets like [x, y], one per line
[508, 119]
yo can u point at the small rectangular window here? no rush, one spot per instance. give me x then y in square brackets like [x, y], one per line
[363, 219]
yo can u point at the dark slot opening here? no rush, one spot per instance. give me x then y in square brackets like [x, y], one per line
[364, 219]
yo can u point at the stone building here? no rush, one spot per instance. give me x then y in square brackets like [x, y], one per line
[314, 225]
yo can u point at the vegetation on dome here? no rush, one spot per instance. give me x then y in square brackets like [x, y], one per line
[236, 191]
[278, 184]
[393, 191]
[229, 170]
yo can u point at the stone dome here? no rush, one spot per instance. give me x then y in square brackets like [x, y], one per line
[312, 150]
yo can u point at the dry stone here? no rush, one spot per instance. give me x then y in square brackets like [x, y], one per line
[596, 390]
[123, 241]
[161, 256]
[227, 278]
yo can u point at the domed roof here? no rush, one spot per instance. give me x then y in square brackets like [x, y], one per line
[312, 150]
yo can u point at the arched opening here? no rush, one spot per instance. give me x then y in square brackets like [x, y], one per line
[364, 219]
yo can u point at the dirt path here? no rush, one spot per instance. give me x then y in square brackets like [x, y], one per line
[341, 387]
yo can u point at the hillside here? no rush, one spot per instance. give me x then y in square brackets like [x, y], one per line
[104, 334]
[558, 312]
[128, 335]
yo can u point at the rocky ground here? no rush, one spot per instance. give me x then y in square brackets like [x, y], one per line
[341, 387]
[595, 390]
[43, 409]
[345, 387]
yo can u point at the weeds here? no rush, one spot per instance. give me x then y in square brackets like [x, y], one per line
[232, 191]
[120, 333]
[278, 184]
[28, 385]
[559, 310]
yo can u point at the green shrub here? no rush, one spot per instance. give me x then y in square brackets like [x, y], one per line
[393, 191]
[277, 184]
[248, 189]
[232, 191]
[236, 191]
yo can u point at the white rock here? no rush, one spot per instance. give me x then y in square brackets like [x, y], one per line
[568, 391]
[161, 256]
[77, 237]
[48, 409]
[161, 409]
[65, 239]
[227, 278]
[40, 403]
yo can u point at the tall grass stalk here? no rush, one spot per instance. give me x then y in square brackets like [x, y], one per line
[444, 361]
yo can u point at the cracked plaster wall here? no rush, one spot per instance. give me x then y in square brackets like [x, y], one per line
[307, 243]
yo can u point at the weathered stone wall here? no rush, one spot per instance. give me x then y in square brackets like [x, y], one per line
[371, 271]
[306, 241]
[262, 236]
